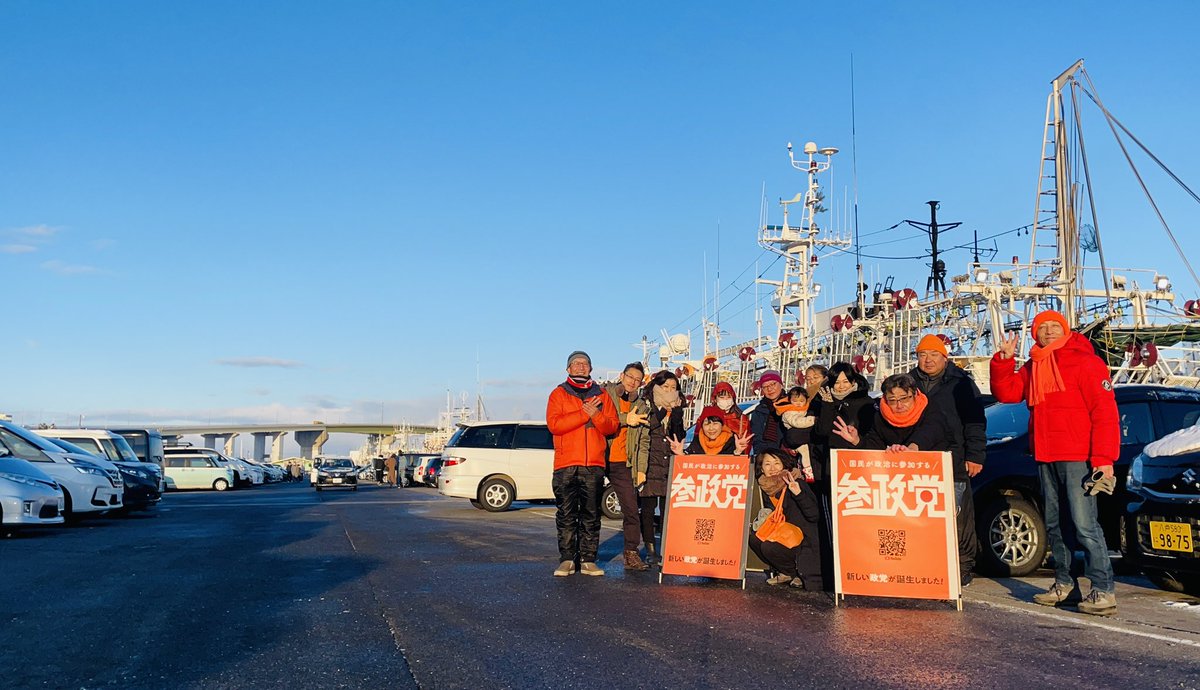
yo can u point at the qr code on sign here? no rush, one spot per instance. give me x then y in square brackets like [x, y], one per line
[705, 531]
[892, 542]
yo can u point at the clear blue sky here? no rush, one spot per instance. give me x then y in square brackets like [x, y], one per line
[230, 211]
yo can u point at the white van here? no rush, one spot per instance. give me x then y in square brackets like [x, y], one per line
[496, 463]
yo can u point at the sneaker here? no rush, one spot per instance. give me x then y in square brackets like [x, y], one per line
[590, 568]
[1058, 595]
[798, 583]
[564, 569]
[634, 562]
[967, 579]
[779, 579]
[1099, 603]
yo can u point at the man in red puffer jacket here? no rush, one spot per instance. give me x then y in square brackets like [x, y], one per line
[1074, 431]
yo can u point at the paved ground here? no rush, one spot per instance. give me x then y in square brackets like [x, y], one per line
[283, 587]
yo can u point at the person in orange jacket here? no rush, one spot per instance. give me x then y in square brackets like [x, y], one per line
[1074, 432]
[580, 417]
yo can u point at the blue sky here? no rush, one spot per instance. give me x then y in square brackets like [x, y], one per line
[250, 212]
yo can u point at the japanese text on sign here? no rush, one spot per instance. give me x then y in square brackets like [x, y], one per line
[709, 491]
[891, 495]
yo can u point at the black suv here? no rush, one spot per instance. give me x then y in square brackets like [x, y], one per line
[1008, 498]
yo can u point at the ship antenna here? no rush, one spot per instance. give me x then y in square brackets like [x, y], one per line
[854, 188]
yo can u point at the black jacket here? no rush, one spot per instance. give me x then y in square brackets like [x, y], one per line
[659, 463]
[929, 433]
[957, 397]
[857, 410]
[766, 427]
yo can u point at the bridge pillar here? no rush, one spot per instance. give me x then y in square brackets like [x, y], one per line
[260, 445]
[311, 442]
[226, 439]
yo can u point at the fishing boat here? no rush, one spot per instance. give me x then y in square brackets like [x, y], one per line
[1133, 316]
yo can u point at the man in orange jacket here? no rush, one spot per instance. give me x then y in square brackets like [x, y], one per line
[1074, 431]
[580, 417]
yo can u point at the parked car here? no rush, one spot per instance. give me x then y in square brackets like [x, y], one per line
[433, 470]
[28, 496]
[113, 447]
[142, 486]
[337, 473]
[1008, 497]
[243, 474]
[408, 466]
[1164, 516]
[496, 463]
[192, 469]
[420, 470]
[89, 484]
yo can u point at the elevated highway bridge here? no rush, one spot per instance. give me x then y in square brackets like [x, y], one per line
[310, 437]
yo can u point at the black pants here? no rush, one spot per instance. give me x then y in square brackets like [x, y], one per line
[646, 508]
[621, 478]
[577, 496]
[802, 561]
[968, 541]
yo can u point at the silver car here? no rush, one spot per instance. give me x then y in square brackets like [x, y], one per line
[28, 496]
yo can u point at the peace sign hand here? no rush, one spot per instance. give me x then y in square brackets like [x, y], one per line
[850, 433]
[676, 445]
[1008, 345]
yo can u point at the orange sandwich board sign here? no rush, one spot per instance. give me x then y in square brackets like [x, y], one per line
[894, 533]
[706, 528]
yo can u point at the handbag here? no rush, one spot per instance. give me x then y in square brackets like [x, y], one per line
[778, 529]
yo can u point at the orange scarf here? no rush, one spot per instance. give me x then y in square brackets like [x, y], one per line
[784, 405]
[920, 402]
[714, 447]
[1045, 378]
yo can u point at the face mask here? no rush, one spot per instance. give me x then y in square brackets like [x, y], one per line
[725, 404]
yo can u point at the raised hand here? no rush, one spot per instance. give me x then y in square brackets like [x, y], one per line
[676, 445]
[634, 419]
[826, 394]
[741, 442]
[846, 431]
[1008, 345]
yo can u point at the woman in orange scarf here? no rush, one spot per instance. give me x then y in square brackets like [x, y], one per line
[904, 421]
[712, 437]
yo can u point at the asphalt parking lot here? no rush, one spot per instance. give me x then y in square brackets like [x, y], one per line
[284, 587]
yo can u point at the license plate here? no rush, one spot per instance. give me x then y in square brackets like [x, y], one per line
[337, 480]
[1171, 536]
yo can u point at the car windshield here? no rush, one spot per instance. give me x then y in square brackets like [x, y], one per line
[1006, 421]
[124, 452]
[343, 464]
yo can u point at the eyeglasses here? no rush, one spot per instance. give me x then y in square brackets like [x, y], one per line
[899, 401]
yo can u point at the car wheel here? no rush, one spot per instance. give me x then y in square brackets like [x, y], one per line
[220, 485]
[69, 514]
[496, 495]
[610, 505]
[477, 504]
[1012, 537]
[1171, 582]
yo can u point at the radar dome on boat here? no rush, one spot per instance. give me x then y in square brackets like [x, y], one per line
[680, 343]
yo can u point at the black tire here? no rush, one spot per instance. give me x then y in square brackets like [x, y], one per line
[496, 495]
[1172, 582]
[1012, 537]
[610, 505]
[69, 514]
[220, 485]
[477, 504]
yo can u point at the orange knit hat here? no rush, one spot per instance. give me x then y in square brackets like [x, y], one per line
[933, 342]
[1050, 315]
